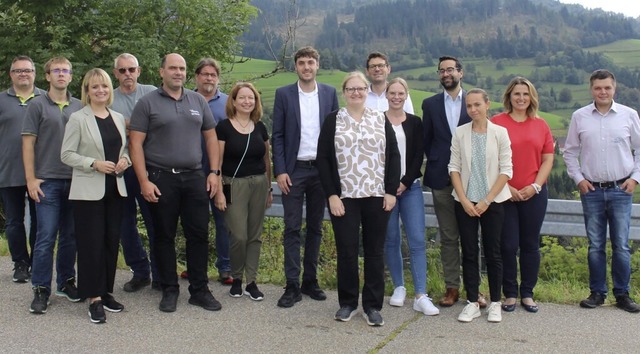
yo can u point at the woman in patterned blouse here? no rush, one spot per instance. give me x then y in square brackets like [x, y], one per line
[359, 167]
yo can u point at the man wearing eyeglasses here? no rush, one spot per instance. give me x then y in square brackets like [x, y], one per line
[13, 185]
[207, 79]
[48, 182]
[127, 70]
[299, 110]
[378, 70]
[166, 128]
[442, 113]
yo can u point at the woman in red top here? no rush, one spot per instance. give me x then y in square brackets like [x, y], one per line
[532, 147]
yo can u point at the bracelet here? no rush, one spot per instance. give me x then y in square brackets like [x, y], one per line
[271, 190]
[536, 187]
[487, 201]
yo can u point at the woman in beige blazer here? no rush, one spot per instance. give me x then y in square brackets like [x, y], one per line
[480, 167]
[95, 146]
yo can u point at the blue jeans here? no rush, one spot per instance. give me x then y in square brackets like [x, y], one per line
[409, 207]
[13, 199]
[134, 254]
[612, 206]
[223, 263]
[55, 218]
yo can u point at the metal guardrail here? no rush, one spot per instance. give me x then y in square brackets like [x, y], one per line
[563, 218]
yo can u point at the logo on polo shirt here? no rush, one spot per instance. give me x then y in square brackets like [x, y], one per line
[194, 112]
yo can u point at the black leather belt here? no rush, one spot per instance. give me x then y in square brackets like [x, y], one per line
[175, 171]
[609, 184]
[306, 164]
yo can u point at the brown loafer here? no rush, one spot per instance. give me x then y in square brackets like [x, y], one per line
[482, 301]
[450, 297]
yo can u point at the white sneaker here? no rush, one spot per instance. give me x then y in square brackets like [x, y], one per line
[399, 294]
[424, 305]
[471, 311]
[495, 312]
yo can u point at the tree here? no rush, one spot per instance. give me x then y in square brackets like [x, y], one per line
[90, 33]
[565, 95]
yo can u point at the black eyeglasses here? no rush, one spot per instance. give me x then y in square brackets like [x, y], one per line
[59, 71]
[131, 70]
[447, 71]
[22, 71]
[377, 66]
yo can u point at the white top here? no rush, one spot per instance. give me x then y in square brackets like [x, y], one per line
[402, 147]
[453, 107]
[309, 123]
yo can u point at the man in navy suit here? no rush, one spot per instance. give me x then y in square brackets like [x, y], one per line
[442, 113]
[298, 112]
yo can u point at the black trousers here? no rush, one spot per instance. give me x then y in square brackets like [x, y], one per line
[184, 196]
[367, 212]
[306, 188]
[97, 225]
[491, 222]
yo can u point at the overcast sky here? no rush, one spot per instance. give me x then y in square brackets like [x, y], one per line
[628, 7]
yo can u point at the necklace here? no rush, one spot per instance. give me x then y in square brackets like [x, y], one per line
[245, 125]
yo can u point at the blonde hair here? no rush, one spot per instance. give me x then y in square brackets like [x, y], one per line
[95, 75]
[532, 110]
[354, 74]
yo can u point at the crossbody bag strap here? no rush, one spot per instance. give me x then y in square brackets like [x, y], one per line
[242, 159]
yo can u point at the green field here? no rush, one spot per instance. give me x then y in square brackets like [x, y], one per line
[254, 69]
[623, 53]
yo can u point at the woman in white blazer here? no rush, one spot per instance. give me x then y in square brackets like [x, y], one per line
[480, 167]
[95, 145]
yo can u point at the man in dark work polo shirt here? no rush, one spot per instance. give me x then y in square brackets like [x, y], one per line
[165, 132]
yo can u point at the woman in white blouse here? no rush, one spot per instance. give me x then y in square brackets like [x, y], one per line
[359, 168]
[480, 167]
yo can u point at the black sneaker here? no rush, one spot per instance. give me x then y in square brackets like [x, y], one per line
[291, 295]
[96, 312]
[252, 291]
[594, 300]
[136, 284]
[169, 299]
[312, 289]
[40, 300]
[110, 304]
[626, 303]
[236, 288]
[373, 317]
[205, 300]
[345, 313]
[69, 290]
[21, 272]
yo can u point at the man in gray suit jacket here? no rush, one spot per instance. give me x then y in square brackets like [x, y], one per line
[298, 112]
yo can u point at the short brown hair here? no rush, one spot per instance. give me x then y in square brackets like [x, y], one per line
[306, 52]
[56, 60]
[376, 55]
[601, 74]
[208, 62]
[230, 109]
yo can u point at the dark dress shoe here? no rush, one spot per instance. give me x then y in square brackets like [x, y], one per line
[509, 308]
[529, 308]
[312, 289]
[450, 297]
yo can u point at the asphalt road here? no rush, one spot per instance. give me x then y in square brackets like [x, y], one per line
[245, 326]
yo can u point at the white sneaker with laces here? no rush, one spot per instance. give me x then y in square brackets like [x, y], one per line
[399, 294]
[424, 305]
[495, 312]
[471, 311]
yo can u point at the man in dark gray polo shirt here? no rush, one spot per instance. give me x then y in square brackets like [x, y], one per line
[165, 132]
[13, 186]
[48, 182]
